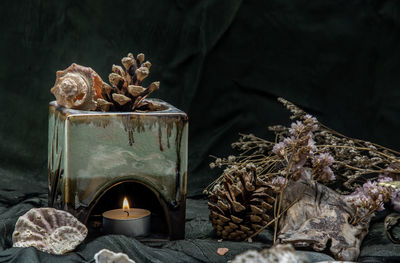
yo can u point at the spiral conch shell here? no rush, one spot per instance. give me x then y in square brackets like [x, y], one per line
[78, 87]
[49, 230]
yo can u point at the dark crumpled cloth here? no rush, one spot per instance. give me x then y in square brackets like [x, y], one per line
[19, 194]
[200, 244]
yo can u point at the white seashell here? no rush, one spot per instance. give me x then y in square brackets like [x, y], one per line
[78, 87]
[49, 230]
[107, 256]
[280, 254]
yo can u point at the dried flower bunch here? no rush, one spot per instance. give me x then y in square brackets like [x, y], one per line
[79, 87]
[355, 161]
[306, 150]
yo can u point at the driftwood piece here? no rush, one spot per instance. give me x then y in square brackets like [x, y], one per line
[320, 220]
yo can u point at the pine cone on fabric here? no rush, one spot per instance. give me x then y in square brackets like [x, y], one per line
[240, 204]
[126, 92]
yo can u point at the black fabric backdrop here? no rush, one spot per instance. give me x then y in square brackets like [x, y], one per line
[223, 62]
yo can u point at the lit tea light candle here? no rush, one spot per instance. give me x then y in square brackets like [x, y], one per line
[127, 221]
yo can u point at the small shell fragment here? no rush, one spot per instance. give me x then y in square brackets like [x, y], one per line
[107, 256]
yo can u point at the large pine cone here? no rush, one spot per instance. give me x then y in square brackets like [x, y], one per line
[240, 204]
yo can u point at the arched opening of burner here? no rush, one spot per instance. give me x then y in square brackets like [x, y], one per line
[139, 196]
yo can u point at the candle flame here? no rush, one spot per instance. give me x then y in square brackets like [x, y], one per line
[125, 204]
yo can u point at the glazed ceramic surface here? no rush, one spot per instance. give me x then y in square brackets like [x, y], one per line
[91, 151]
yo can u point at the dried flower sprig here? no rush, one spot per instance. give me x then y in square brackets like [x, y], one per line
[297, 157]
[371, 197]
[278, 183]
[322, 167]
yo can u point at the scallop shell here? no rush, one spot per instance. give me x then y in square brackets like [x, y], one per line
[49, 230]
[107, 256]
[78, 87]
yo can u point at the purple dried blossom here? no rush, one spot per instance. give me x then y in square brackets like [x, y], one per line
[321, 165]
[290, 142]
[303, 149]
[360, 200]
[327, 175]
[384, 179]
[323, 159]
[300, 146]
[310, 122]
[395, 198]
[297, 128]
[279, 149]
[305, 127]
[278, 182]
[311, 144]
[373, 189]
[370, 197]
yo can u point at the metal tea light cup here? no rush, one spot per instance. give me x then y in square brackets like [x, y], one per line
[121, 222]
